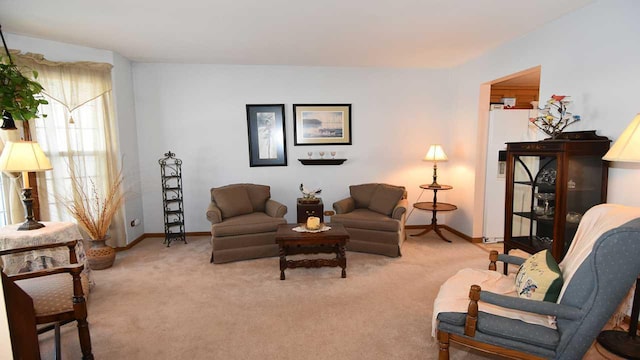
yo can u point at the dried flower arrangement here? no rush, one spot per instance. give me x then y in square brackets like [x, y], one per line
[94, 212]
[554, 117]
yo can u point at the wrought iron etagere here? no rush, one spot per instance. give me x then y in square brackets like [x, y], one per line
[171, 176]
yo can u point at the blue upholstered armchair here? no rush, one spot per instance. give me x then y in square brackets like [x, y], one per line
[598, 274]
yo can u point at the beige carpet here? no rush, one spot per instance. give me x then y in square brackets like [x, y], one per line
[171, 303]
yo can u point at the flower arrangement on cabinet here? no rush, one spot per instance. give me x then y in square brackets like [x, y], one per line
[554, 117]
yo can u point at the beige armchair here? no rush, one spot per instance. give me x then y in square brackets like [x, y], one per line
[374, 216]
[244, 221]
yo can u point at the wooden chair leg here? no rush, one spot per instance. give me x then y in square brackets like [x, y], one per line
[85, 339]
[58, 346]
[211, 260]
[443, 341]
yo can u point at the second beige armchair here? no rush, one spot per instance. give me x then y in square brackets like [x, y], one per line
[374, 216]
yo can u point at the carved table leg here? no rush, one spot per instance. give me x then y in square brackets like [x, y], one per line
[342, 259]
[283, 261]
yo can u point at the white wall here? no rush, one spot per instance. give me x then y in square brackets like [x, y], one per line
[590, 54]
[198, 112]
[124, 109]
[128, 144]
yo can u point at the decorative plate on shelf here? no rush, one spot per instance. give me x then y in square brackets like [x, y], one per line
[303, 228]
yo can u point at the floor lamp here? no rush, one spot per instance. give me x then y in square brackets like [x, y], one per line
[25, 157]
[626, 344]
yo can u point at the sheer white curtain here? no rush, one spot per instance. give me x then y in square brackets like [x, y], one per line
[12, 184]
[78, 133]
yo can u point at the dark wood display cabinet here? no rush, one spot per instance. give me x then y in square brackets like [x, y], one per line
[550, 185]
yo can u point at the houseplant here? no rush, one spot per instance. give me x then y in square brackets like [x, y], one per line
[94, 210]
[19, 95]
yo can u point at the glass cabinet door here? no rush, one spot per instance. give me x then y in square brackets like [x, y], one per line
[533, 203]
[583, 191]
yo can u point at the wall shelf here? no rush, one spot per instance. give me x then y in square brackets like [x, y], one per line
[322, 161]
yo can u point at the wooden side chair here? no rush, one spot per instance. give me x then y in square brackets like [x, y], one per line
[57, 297]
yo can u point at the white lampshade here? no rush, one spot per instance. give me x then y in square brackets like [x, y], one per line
[627, 147]
[435, 153]
[24, 156]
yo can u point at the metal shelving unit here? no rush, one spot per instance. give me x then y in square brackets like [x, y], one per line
[171, 176]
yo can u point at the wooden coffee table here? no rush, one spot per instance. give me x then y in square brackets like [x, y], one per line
[327, 242]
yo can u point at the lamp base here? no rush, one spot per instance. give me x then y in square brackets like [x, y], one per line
[620, 343]
[27, 201]
[30, 224]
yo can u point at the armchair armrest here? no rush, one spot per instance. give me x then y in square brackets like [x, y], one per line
[400, 209]
[344, 206]
[275, 209]
[516, 303]
[533, 306]
[506, 259]
[214, 215]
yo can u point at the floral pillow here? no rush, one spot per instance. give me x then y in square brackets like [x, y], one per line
[539, 278]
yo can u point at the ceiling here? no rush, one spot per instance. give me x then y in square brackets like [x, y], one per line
[360, 33]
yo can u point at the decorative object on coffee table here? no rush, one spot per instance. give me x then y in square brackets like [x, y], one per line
[94, 210]
[554, 117]
[25, 156]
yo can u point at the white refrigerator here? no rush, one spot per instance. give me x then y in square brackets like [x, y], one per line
[504, 126]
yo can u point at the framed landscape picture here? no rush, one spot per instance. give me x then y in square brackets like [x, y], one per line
[267, 141]
[322, 124]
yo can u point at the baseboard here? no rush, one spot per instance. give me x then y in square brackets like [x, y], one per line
[157, 235]
[449, 229]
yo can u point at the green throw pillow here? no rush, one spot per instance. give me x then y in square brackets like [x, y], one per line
[539, 278]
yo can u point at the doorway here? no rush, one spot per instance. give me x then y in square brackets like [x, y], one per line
[518, 92]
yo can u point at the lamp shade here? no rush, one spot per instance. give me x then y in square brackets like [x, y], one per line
[435, 153]
[627, 147]
[24, 156]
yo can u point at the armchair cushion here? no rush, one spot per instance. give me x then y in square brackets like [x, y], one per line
[259, 194]
[254, 223]
[385, 198]
[232, 201]
[539, 278]
[366, 219]
[362, 194]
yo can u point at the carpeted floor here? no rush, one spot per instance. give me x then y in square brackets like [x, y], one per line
[171, 303]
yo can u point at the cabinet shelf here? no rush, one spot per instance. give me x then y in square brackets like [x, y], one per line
[322, 161]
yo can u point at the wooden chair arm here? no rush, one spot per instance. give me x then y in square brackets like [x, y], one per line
[493, 258]
[71, 245]
[74, 269]
[472, 312]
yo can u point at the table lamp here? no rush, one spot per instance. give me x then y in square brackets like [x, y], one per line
[625, 344]
[25, 156]
[435, 154]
